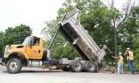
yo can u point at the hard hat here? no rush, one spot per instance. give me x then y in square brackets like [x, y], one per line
[120, 53]
[128, 48]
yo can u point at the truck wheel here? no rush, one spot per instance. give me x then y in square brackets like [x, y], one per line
[90, 67]
[76, 66]
[14, 65]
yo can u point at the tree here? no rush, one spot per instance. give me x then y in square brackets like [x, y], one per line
[17, 34]
[1, 43]
[131, 34]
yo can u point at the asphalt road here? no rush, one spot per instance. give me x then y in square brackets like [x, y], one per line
[45, 76]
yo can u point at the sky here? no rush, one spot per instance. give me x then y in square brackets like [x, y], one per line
[33, 13]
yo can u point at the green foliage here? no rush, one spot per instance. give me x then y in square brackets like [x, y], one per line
[64, 52]
[136, 52]
[1, 43]
[129, 34]
[17, 34]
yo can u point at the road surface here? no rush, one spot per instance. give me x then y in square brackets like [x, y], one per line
[45, 76]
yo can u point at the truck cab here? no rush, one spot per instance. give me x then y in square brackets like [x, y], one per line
[31, 48]
[30, 53]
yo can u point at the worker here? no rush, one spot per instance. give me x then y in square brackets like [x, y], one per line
[37, 43]
[120, 63]
[129, 55]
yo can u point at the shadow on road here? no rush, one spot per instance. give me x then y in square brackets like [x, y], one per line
[33, 71]
[36, 71]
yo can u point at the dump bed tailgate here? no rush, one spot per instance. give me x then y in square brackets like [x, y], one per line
[73, 31]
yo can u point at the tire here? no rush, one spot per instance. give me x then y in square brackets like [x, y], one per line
[76, 66]
[90, 67]
[14, 66]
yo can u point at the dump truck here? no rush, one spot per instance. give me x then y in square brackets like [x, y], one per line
[31, 52]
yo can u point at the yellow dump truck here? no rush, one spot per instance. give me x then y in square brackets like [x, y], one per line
[32, 54]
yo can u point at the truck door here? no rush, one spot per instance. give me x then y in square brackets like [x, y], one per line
[33, 47]
[36, 49]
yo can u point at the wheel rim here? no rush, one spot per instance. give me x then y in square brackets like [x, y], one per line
[91, 67]
[77, 66]
[13, 66]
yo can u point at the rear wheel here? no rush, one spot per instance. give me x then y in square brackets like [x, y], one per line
[90, 67]
[76, 66]
[14, 65]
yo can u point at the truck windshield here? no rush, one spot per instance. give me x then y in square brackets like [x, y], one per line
[27, 41]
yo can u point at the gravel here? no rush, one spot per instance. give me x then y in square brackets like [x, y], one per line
[33, 75]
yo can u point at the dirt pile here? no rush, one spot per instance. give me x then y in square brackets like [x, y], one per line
[107, 69]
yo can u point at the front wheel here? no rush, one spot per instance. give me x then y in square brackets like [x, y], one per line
[14, 65]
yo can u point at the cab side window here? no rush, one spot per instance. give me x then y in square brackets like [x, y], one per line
[36, 41]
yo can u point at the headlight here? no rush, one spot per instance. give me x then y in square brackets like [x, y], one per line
[6, 50]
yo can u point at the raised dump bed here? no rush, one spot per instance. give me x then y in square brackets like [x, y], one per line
[74, 32]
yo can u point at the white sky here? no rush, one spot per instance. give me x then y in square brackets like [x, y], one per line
[31, 12]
